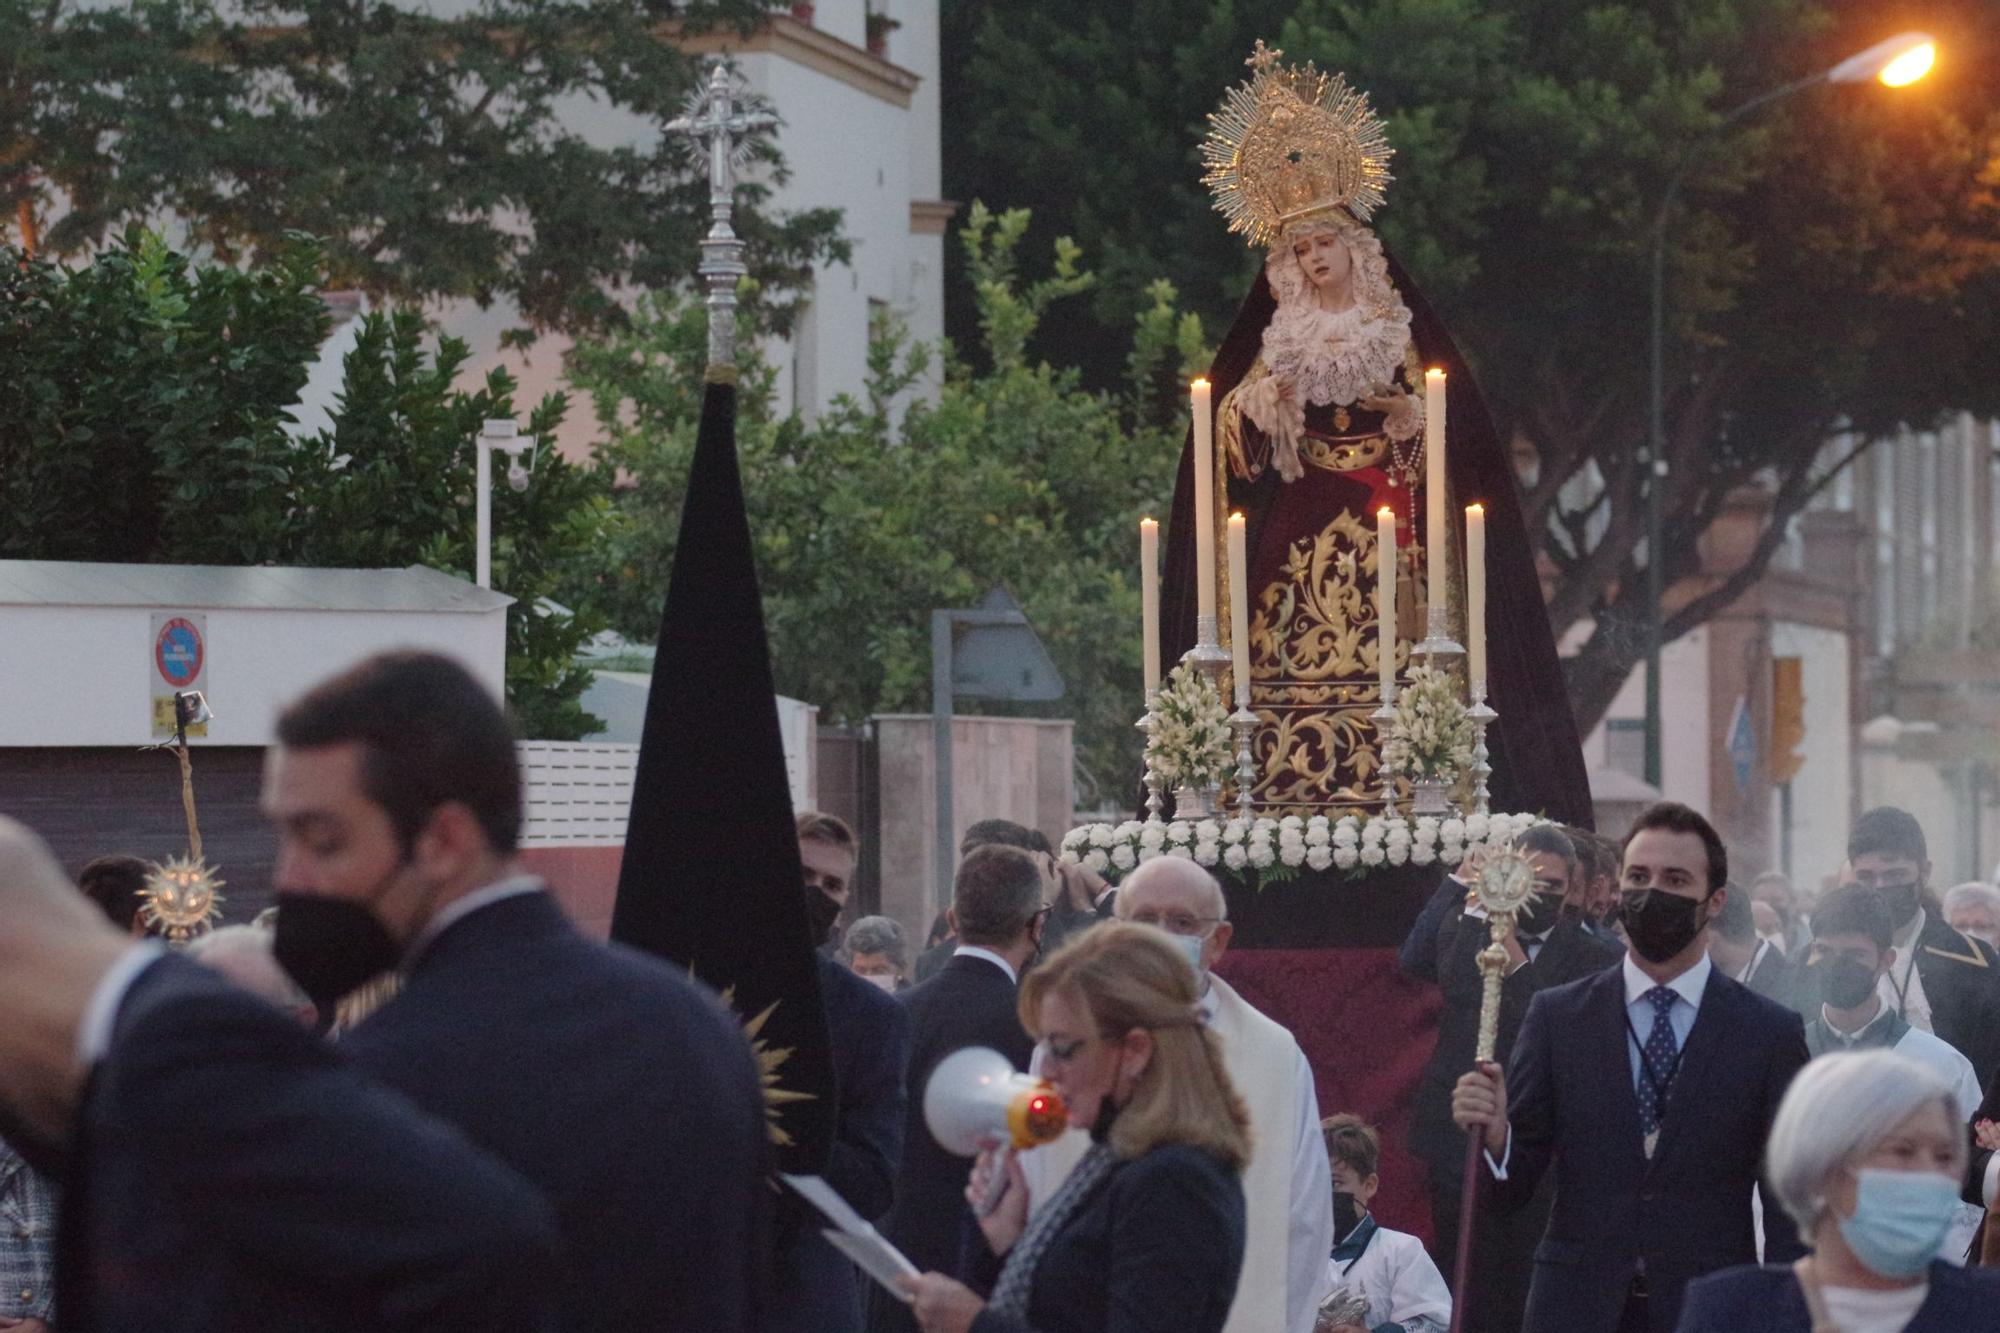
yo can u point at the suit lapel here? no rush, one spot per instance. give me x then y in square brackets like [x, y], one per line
[1711, 1023]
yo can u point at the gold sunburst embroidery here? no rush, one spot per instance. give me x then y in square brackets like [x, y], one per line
[770, 1061]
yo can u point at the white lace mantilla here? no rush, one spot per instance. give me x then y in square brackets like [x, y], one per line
[1337, 357]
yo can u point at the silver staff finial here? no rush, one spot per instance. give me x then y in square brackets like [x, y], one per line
[713, 119]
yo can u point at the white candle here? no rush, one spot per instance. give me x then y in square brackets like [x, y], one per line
[1239, 610]
[1475, 597]
[1435, 536]
[1204, 501]
[1149, 598]
[1385, 599]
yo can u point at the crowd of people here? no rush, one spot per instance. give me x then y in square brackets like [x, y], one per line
[413, 1095]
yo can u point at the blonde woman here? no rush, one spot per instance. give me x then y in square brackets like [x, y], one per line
[1146, 1234]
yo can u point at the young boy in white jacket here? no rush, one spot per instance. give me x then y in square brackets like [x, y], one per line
[1405, 1291]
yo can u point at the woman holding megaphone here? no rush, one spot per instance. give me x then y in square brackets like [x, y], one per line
[1146, 1234]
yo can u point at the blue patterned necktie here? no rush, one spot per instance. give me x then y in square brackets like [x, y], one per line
[1657, 1061]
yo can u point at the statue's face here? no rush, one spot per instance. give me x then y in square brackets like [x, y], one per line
[1325, 259]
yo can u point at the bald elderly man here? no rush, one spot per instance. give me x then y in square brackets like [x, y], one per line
[222, 1169]
[1286, 1186]
[245, 955]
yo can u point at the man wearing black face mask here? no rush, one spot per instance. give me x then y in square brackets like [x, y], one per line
[1650, 1088]
[1943, 982]
[617, 1087]
[997, 913]
[1544, 949]
[1849, 955]
[818, 1289]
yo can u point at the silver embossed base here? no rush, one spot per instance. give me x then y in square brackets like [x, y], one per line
[1208, 654]
[1437, 640]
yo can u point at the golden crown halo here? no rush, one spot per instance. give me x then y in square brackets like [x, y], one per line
[1291, 144]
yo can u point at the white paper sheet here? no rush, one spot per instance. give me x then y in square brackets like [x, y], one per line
[852, 1235]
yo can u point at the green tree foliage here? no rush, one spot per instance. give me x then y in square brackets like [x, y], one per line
[865, 522]
[1835, 258]
[439, 156]
[146, 422]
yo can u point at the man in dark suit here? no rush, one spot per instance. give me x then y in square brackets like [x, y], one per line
[616, 1086]
[1651, 1088]
[1739, 954]
[997, 912]
[222, 1168]
[1546, 948]
[1944, 982]
[819, 1290]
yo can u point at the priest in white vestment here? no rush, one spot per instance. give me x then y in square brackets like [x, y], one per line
[1286, 1187]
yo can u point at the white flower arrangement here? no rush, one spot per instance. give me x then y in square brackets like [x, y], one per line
[1278, 848]
[1432, 737]
[1189, 744]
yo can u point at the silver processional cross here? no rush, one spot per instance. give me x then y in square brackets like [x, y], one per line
[713, 119]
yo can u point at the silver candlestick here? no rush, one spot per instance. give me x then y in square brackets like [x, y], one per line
[1482, 717]
[1208, 654]
[1385, 727]
[1437, 641]
[1155, 801]
[1245, 723]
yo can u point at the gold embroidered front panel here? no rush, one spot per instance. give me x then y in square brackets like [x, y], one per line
[1313, 672]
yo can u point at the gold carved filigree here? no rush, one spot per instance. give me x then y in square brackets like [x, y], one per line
[1313, 664]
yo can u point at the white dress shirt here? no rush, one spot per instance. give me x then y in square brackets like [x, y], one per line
[974, 951]
[1902, 986]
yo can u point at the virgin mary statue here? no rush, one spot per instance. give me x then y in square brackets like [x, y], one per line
[1317, 392]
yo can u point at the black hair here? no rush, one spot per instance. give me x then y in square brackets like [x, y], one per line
[114, 884]
[1854, 910]
[429, 734]
[1887, 831]
[1673, 817]
[1003, 833]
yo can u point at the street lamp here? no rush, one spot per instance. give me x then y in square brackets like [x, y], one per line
[1896, 63]
[504, 435]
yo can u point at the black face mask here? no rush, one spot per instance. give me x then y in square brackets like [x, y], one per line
[822, 914]
[1539, 916]
[1843, 982]
[1902, 900]
[330, 946]
[1660, 924]
[1346, 1215]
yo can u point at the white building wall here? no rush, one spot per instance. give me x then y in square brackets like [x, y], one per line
[1823, 790]
[1684, 716]
[83, 675]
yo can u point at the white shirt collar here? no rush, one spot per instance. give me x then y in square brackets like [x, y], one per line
[1756, 957]
[974, 951]
[100, 1015]
[454, 912]
[1689, 985]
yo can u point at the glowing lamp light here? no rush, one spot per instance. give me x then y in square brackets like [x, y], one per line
[1897, 62]
[1910, 66]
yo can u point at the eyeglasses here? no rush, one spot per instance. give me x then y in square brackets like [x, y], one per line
[1177, 923]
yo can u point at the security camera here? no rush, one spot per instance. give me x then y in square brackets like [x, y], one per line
[190, 709]
[517, 476]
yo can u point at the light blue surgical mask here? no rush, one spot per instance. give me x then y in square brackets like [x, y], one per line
[1190, 947]
[1900, 1219]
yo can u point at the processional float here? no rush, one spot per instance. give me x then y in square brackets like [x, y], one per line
[1368, 691]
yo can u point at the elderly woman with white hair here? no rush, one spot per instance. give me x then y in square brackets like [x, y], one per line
[1866, 1154]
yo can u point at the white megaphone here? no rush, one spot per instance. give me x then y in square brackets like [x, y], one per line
[976, 1100]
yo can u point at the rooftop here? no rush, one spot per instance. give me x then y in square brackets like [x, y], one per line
[241, 588]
